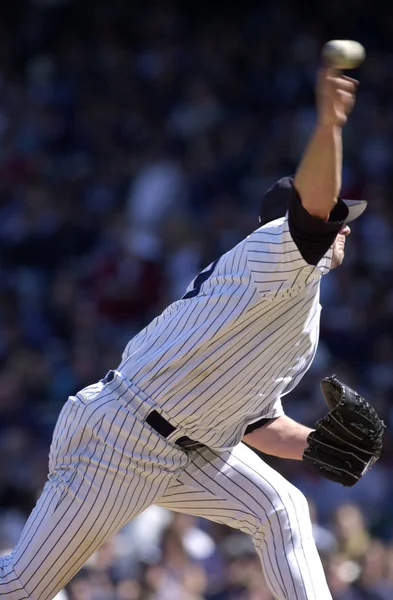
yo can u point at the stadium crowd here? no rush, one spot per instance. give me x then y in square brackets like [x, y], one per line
[136, 139]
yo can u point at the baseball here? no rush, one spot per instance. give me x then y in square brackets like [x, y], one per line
[343, 54]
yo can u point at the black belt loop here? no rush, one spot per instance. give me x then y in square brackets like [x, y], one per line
[161, 425]
[188, 444]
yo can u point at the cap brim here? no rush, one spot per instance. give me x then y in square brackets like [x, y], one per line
[356, 208]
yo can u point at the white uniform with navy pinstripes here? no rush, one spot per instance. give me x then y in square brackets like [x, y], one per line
[212, 363]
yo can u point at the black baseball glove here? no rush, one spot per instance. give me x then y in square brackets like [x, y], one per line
[348, 440]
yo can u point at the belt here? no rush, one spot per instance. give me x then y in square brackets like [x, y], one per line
[161, 425]
[164, 428]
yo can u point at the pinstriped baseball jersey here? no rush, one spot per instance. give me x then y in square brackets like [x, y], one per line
[241, 337]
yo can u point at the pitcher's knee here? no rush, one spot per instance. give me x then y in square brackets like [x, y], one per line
[298, 499]
[291, 514]
[284, 509]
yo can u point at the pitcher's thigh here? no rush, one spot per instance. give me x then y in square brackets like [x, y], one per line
[237, 486]
[239, 489]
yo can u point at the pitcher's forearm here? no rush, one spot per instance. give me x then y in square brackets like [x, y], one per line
[282, 437]
[318, 177]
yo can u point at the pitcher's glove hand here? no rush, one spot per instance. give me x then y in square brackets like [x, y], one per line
[348, 440]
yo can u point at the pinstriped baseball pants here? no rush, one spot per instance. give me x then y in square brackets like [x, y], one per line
[106, 466]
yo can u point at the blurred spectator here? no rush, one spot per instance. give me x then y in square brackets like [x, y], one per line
[351, 532]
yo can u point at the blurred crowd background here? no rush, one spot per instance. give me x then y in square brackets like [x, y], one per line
[136, 140]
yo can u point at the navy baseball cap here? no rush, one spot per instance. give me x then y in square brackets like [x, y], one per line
[275, 202]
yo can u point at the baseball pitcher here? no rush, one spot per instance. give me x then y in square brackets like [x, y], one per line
[167, 425]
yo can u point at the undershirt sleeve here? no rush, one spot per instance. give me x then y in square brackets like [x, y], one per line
[312, 235]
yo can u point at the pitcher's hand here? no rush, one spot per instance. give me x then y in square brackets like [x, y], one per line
[335, 97]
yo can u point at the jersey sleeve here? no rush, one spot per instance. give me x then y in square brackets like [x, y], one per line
[273, 410]
[286, 254]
